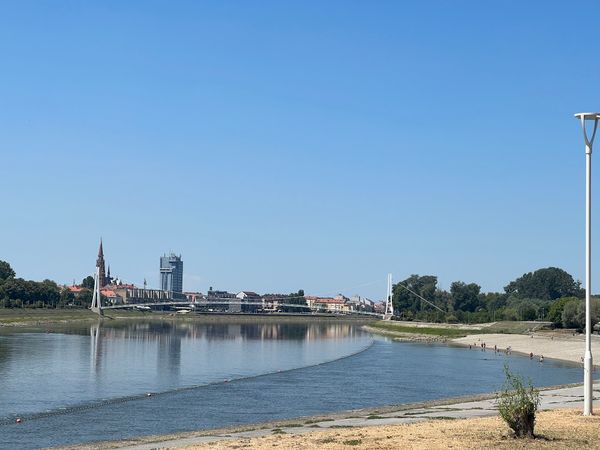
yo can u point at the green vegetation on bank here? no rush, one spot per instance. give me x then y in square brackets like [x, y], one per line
[20, 293]
[548, 294]
[430, 331]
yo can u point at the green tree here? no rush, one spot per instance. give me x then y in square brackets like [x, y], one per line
[465, 296]
[546, 284]
[66, 298]
[84, 298]
[88, 282]
[494, 302]
[17, 290]
[296, 298]
[574, 313]
[555, 313]
[6, 271]
[406, 302]
[570, 318]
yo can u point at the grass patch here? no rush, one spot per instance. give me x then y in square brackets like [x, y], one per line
[341, 426]
[353, 442]
[515, 327]
[308, 422]
[293, 425]
[374, 416]
[429, 331]
[17, 315]
[278, 431]
[327, 440]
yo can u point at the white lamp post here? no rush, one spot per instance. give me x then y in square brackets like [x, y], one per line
[587, 358]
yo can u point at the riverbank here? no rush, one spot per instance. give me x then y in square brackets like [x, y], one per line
[21, 317]
[412, 333]
[417, 331]
[451, 423]
[549, 344]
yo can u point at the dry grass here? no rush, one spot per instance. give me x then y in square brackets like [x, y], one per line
[560, 429]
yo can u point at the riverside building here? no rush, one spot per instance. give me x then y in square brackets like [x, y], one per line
[171, 273]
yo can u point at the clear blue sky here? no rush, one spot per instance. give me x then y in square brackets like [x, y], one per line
[286, 145]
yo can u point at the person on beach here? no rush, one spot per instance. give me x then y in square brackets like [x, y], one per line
[531, 355]
[541, 358]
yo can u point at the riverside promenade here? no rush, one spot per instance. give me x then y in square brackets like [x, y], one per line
[483, 406]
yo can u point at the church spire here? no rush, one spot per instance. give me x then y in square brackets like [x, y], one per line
[100, 265]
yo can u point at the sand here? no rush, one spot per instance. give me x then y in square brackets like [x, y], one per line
[551, 345]
[560, 429]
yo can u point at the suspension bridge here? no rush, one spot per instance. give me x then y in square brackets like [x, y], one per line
[233, 305]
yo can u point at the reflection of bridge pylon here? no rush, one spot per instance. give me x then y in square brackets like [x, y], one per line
[389, 307]
[96, 299]
[96, 342]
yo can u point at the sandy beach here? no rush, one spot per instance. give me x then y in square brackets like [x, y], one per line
[563, 346]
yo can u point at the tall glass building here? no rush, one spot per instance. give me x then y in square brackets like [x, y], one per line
[171, 273]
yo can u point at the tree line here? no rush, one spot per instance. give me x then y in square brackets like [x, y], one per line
[549, 294]
[20, 293]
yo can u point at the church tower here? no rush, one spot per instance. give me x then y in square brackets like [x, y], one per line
[100, 265]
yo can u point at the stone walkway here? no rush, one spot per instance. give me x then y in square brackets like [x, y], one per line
[570, 397]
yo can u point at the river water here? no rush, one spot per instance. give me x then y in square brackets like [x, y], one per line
[111, 381]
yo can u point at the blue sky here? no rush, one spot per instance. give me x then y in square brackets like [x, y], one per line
[287, 145]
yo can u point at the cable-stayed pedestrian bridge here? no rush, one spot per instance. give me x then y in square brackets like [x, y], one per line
[236, 306]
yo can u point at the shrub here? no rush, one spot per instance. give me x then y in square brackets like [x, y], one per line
[518, 404]
[451, 318]
[570, 317]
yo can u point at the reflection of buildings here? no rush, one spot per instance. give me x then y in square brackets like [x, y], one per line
[158, 331]
[169, 353]
[171, 273]
[123, 344]
[164, 334]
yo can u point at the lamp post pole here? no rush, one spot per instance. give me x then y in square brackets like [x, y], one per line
[587, 358]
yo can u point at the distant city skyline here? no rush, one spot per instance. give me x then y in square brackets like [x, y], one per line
[315, 146]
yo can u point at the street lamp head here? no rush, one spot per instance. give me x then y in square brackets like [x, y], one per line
[588, 116]
[589, 141]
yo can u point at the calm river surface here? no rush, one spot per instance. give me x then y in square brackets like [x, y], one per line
[88, 383]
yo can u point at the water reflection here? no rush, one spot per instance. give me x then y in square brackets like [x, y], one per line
[105, 360]
[168, 336]
[153, 330]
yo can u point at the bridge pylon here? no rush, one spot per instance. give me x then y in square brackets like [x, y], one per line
[389, 307]
[96, 299]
